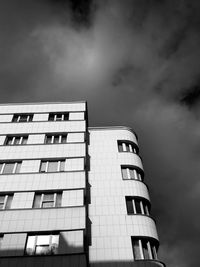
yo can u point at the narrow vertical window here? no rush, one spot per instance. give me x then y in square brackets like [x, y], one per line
[129, 172]
[137, 205]
[5, 201]
[127, 146]
[144, 248]
[47, 200]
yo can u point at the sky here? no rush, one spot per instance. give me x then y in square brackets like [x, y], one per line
[137, 63]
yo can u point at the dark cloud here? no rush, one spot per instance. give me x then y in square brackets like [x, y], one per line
[137, 62]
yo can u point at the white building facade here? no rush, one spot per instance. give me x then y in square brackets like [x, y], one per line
[71, 195]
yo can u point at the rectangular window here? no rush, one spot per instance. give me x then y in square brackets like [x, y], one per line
[129, 172]
[16, 140]
[137, 205]
[127, 146]
[58, 116]
[144, 248]
[5, 201]
[52, 166]
[46, 244]
[56, 139]
[22, 117]
[10, 167]
[47, 200]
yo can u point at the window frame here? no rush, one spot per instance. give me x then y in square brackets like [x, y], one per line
[34, 245]
[144, 205]
[16, 168]
[130, 172]
[54, 116]
[52, 137]
[13, 138]
[7, 201]
[60, 163]
[17, 117]
[147, 248]
[57, 199]
[127, 146]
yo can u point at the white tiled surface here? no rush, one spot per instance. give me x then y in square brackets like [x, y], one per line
[42, 107]
[111, 227]
[41, 181]
[44, 151]
[42, 219]
[22, 200]
[73, 198]
[76, 116]
[6, 118]
[74, 164]
[41, 117]
[36, 139]
[13, 244]
[42, 127]
[30, 166]
[75, 137]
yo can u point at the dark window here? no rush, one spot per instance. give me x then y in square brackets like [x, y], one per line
[127, 146]
[47, 200]
[16, 140]
[22, 117]
[129, 172]
[58, 116]
[10, 167]
[5, 201]
[137, 205]
[56, 139]
[144, 248]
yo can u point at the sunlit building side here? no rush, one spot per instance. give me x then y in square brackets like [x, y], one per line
[71, 195]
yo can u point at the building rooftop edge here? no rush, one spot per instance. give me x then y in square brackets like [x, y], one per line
[113, 128]
[41, 103]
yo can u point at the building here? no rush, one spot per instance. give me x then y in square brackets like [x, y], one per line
[71, 195]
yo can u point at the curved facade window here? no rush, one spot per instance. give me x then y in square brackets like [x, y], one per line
[129, 172]
[127, 146]
[136, 205]
[144, 248]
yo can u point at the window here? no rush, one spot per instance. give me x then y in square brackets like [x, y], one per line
[127, 146]
[137, 205]
[129, 172]
[5, 201]
[10, 167]
[58, 116]
[56, 139]
[47, 200]
[52, 166]
[46, 244]
[144, 248]
[16, 140]
[22, 117]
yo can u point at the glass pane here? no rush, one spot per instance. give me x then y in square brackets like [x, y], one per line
[37, 199]
[136, 250]
[56, 139]
[124, 173]
[51, 117]
[23, 118]
[129, 205]
[132, 173]
[30, 117]
[145, 249]
[48, 204]
[43, 250]
[30, 245]
[53, 166]
[17, 140]
[120, 147]
[24, 140]
[59, 117]
[62, 165]
[54, 244]
[1, 165]
[43, 240]
[43, 166]
[15, 117]
[58, 199]
[64, 139]
[9, 201]
[2, 198]
[66, 116]
[48, 139]
[48, 197]
[1, 206]
[137, 206]
[18, 167]
[9, 141]
[8, 168]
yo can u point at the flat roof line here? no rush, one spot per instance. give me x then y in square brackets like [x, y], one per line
[41, 103]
